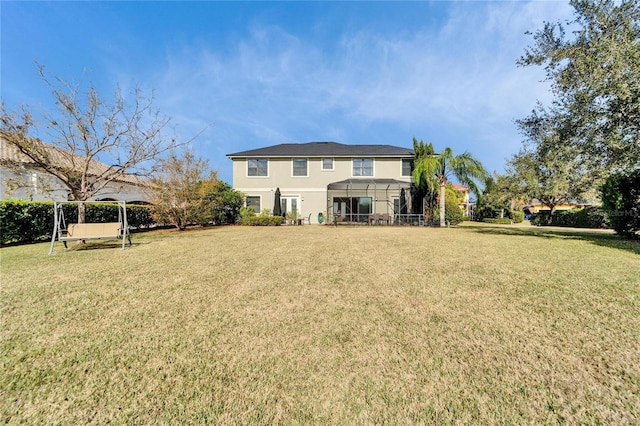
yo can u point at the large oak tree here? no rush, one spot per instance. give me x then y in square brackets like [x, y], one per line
[593, 65]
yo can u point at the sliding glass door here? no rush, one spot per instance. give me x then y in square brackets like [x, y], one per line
[290, 205]
[352, 209]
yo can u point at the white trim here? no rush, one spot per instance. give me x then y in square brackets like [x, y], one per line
[248, 191]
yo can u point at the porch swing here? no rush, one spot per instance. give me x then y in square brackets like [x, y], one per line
[89, 231]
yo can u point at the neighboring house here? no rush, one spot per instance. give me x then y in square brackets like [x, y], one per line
[465, 203]
[20, 178]
[536, 206]
[353, 183]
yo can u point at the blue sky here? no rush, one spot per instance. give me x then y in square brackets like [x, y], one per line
[255, 74]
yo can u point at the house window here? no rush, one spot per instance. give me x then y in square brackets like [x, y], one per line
[327, 164]
[363, 166]
[254, 202]
[407, 167]
[257, 167]
[299, 167]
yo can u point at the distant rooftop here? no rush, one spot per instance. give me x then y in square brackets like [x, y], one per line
[460, 188]
[63, 159]
[325, 149]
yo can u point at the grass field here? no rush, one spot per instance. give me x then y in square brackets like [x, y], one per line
[323, 325]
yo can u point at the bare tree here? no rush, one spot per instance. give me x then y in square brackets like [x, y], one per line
[91, 141]
[184, 190]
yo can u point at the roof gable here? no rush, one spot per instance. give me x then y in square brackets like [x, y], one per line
[325, 149]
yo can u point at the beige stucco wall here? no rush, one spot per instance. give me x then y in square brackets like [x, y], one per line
[311, 189]
[280, 173]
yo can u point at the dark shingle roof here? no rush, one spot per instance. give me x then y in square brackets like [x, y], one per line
[325, 149]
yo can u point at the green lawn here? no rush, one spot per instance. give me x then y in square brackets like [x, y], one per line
[324, 325]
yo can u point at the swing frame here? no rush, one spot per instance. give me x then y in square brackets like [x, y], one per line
[89, 231]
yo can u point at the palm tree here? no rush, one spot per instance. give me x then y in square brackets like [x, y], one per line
[425, 194]
[434, 171]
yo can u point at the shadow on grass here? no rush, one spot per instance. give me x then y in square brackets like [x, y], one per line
[101, 245]
[597, 237]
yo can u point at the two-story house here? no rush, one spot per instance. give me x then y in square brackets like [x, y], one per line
[351, 183]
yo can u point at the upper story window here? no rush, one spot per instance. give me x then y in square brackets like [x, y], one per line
[407, 167]
[363, 166]
[327, 164]
[257, 167]
[300, 167]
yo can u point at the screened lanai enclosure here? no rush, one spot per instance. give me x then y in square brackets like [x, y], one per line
[371, 201]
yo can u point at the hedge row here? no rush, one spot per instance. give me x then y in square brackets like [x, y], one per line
[498, 220]
[492, 212]
[30, 221]
[263, 220]
[589, 217]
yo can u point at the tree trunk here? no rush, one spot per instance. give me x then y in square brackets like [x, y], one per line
[82, 212]
[551, 212]
[442, 204]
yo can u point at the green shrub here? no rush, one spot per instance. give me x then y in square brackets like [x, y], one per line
[139, 216]
[589, 217]
[246, 213]
[452, 211]
[263, 220]
[564, 218]
[516, 215]
[498, 220]
[227, 204]
[486, 211]
[540, 218]
[25, 221]
[621, 201]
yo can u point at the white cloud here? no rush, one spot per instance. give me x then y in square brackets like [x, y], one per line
[275, 88]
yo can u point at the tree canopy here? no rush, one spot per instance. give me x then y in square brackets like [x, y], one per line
[593, 65]
[90, 141]
[548, 176]
[435, 170]
[187, 192]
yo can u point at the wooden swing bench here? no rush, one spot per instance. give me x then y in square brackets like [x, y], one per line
[93, 231]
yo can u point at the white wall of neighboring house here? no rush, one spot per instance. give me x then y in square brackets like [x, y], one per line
[39, 186]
